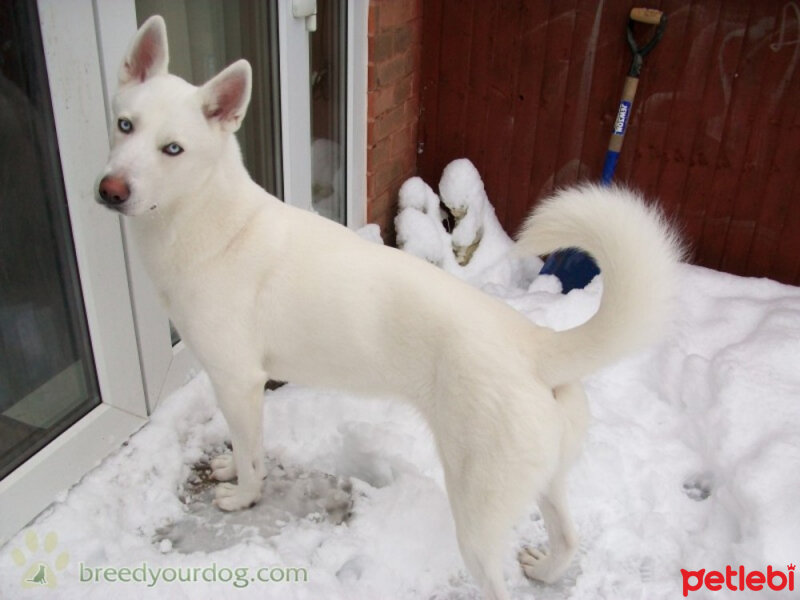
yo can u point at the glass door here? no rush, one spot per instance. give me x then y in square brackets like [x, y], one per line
[70, 382]
[47, 373]
[207, 35]
[328, 91]
[323, 74]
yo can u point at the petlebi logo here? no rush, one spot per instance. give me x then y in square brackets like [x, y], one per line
[39, 560]
[739, 579]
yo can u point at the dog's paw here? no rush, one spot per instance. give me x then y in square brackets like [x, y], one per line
[223, 468]
[229, 497]
[537, 564]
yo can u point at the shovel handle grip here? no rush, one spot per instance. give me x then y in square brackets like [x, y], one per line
[651, 16]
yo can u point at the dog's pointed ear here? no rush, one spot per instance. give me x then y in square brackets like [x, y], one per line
[148, 54]
[226, 96]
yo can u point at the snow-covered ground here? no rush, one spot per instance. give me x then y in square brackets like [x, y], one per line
[692, 461]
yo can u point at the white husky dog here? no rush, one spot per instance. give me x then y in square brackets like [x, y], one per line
[260, 289]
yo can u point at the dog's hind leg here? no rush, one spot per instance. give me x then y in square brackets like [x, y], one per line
[562, 537]
[242, 407]
[490, 480]
[561, 534]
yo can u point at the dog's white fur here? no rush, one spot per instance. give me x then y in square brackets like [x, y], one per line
[260, 289]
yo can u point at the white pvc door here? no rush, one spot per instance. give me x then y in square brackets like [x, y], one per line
[71, 387]
[323, 104]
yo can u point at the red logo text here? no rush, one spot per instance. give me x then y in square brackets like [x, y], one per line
[738, 579]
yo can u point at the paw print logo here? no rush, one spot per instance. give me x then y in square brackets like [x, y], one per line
[40, 562]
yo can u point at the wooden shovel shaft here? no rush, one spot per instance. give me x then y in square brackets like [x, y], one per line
[623, 114]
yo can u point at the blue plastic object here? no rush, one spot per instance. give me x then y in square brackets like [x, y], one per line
[574, 268]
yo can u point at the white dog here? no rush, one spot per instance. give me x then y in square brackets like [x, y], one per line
[260, 289]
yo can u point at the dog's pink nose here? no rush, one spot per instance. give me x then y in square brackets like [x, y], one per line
[114, 190]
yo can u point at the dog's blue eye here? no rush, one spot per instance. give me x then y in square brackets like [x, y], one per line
[172, 149]
[125, 126]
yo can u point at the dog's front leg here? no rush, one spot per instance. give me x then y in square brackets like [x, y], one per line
[242, 406]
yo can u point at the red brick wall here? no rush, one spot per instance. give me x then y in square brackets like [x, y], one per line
[395, 50]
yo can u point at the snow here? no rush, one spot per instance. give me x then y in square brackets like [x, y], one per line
[692, 461]
[478, 250]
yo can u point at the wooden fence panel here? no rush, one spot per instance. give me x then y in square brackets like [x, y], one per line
[528, 90]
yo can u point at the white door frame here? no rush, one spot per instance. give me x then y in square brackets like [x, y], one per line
[293, 60]
[357, 58]
[296, 109]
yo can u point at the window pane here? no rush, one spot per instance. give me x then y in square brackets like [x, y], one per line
[328, 110]
[207, 35]
[47, 376]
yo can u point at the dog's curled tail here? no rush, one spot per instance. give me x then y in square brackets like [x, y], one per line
[638, 254]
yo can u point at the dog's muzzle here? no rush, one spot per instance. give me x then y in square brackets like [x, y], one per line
[113, 191]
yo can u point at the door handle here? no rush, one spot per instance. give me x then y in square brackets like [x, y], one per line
[306, 9]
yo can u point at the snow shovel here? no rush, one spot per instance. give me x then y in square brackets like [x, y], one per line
[573, 267]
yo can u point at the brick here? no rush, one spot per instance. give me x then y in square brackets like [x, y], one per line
[411, 110]
[390, 71]
[401, 38]
[394, 13]
[396, 142]
[388, 175]
[393, 194]
[389, 14]
[402, 90]
[379, 206]
[383, 47]
[370, 131]
[388, 206]
[382, 213]
[416, 78]
[406, 10]
[387, 123]
[372, 214]
[380, 101]
[401, 141]
[414, 28]
[372, 77]
[411, 62]
[409, 159]
[372, 19]
[379, 154]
